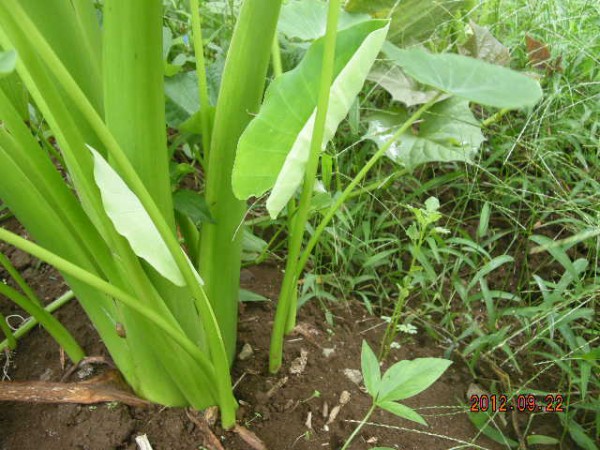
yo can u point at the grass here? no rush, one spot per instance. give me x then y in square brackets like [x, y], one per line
[503, 290]
[536, 176]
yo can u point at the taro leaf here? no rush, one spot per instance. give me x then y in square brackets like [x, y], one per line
[483, 45]
[252, 245]
[402, 88]
[8, 62]
[131, 221]
[167, 42]
[192, 205]
[413, 21]
[408, 378]
[374, 7]
[225, 7]
[370, 370]
[183, 101]
[307, 19]
[403, 411]
[449, 133]
[468, 78]
[274, 149]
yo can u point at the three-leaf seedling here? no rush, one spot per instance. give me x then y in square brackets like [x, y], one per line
[403, 380]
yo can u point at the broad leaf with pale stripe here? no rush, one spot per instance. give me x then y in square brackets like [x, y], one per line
[468, 78]
[273, 151]
[132, 221]
[307, 19]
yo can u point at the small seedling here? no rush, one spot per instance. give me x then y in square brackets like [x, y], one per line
[315, 394]
[403, 380]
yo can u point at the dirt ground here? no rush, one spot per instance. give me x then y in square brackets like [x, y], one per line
[287, 411]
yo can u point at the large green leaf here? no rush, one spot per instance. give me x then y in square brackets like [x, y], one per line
[449, 132]
[181, 92]
[408, 378]
[8, 62]
[133, 222]
[193, 205]
[274, 149]
[413, 21]
[468, 78]
[307, 19]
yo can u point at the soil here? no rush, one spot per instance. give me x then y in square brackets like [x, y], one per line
[277, 411]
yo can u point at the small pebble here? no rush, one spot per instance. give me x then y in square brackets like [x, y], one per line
[299, 364]
[327, 352]
[353, 375]
[344, 397]
[246, 352]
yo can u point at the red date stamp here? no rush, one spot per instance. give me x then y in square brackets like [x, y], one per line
[520, 403]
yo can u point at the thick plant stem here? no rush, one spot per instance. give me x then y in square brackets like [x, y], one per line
[30, 323]
[89, 278]
[240, 96]
[205, 107]
[357, 179]
[285, 317]
[359, 427]
[276, 58]
[134, 100]
[217, 352]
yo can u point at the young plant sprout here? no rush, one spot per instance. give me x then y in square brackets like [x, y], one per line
[403, 380]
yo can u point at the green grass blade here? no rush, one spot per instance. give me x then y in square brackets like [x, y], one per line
[11, 341]
[58, 332]
[32, 322]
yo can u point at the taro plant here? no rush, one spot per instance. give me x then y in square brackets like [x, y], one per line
[169, 317]
[110, 226]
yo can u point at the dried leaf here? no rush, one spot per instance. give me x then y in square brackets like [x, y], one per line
[540, 56]
[344, 398]
[308, 422]
[538, 52]
[483, 45]
[210, 441]
[299, 364]
[101, 389]
[249, 438]
[142, 442]
[277, 386]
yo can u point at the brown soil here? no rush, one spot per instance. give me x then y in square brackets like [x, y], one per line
[275, 411]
